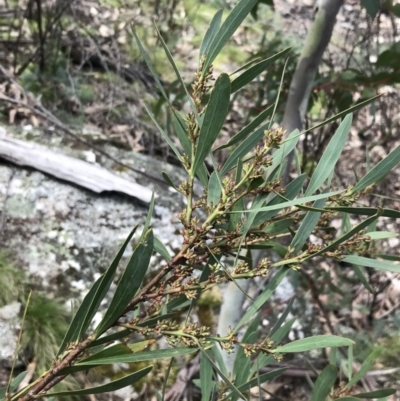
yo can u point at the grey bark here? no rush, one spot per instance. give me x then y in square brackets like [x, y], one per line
[316, 42]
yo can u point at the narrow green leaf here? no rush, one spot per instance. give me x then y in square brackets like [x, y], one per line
[245, 147]
[246, 65]
[394, 258]
[241, 369]
[161, 249]
[177, 73]
[153, 321]
[13, 385]
[345, 236]
[92, 300]
[140, 356]
[148, 219]
[366, 211]
[365, 367]
[258, 380]
[263, 297]
[385, 392]
[362, 278]
[105, 388]
[379, 172]
[168, 180]
[180, 129]
[255, 71]
[111, 338]
[214, 189]
[210, 34]
[220, 362]
[206, 372]
[282, 318]
[264, 360]
[146, 58]
[278, 227]
[312, 343]
[222, 375]
[376, 264]
[278, 94]
[326, 379]
[244, 132]
[163, 133]
[214, 117]
[342, 113]
[228, 28]
[294, 202]
[130, 282]
[285, 148]
[292, 190]
[257, 203]
[330, 156]
[114, 350]
[376, 235]
[348, 399]
[307, 226]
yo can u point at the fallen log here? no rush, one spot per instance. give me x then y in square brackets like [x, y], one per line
[70, 169]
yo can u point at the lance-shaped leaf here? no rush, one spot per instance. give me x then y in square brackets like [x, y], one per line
[245, 147]
[261, 379]
[130, 282]
[342, 113]
[366, 211]
[222, 374]
[307, 226]
[379, 394]
[206, 372]
[177, 73]
[330, 156]
[294, 202]
[150, 66]
[380, 171]
[244, 132]
[228, 28]
[241, 367]
[106, 388]
[263, 297]
[376, 235]
[345, 236]
[292, 190]
[180, 129]
[210, 34]
[312, 343]
[140, 356]
[163, 133]
[285, 148]
[365, 367]
[214, 189]
[13, 385]
[255, 71]
[263, 359]
[148, 219]
[92, 300]
[376, 264]
[161, 249]
[326, 379]
[214, 117]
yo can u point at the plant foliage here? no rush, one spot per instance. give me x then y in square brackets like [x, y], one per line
[216, 226]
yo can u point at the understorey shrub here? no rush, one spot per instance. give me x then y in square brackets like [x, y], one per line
[244, 206]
